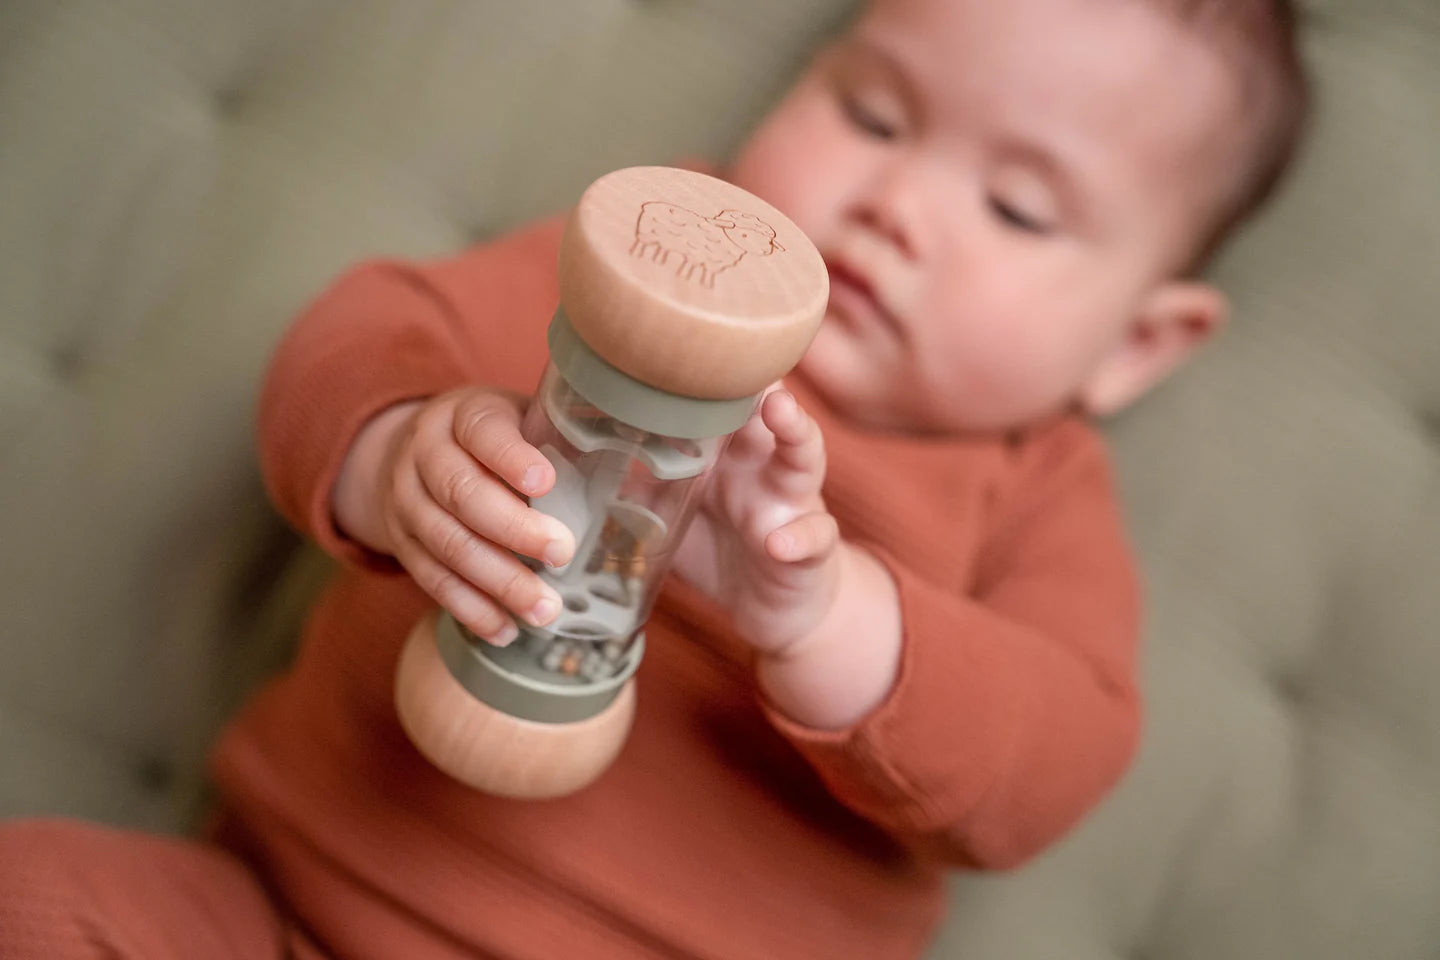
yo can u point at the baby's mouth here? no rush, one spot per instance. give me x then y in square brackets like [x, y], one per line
[853, 296]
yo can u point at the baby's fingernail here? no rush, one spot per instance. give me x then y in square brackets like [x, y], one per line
[505, 635]
[531, 480]
[557, 550]
[547, 608]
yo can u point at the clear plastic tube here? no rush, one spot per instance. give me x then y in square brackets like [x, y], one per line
[628, 496]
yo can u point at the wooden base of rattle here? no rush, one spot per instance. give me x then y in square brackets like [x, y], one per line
[494, 751]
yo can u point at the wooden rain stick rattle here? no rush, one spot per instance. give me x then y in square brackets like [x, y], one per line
[681, 299]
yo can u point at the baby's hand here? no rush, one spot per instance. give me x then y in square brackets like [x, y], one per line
[763, 543]
[449, 511]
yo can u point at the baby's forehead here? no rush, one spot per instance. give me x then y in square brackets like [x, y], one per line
[1106, 65]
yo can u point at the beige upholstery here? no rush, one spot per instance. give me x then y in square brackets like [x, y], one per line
[177, 177]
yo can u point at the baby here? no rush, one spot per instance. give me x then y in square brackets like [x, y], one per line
[903, 631]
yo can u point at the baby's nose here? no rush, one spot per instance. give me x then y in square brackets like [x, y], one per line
[885, 213]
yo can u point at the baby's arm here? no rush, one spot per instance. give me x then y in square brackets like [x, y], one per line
[1014, 709]
[847, 666]
[384, 335]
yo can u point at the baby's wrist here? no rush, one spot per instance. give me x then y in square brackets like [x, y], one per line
[357, 497]
[846, 666]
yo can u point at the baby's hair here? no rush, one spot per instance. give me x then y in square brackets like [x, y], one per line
[1261, 37]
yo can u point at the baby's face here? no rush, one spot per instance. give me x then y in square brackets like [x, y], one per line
[999, 188]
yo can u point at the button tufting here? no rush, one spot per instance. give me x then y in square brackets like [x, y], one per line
[65, 361]
[1430, 420]
[1290, 689]
[229, 100]
[155, 773]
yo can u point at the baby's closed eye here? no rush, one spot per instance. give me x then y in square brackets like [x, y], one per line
[1022, 200]
[1018, 217]
[867, 94]
[870, 116]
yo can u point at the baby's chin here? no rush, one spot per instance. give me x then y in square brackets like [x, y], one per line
[858, 391]
[850, 387]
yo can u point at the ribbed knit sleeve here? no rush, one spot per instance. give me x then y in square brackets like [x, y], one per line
[1015, 709]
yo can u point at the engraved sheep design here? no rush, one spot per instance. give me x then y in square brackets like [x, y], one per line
[705, 246]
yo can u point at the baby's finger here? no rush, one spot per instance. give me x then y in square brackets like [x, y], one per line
[482, 564]
[482, 615]
[808, 537]
[799, 445]
[487, 426]
[753, 442]
[468, 491]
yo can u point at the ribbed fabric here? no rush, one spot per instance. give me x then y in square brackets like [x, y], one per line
[72, 891]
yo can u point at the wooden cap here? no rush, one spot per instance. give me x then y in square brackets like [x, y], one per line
[690, 284]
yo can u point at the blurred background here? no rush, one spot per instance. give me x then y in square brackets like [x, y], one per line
[177, 177]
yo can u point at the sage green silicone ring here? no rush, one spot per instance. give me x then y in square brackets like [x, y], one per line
[634, 402]
[510, 679]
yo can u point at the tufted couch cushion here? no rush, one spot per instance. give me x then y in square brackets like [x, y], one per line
[177, 177]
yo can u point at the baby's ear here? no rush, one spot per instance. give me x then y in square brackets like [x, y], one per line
[1174, 320]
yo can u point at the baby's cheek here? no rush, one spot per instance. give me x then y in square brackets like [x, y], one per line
[1004, 374]
[795, 161]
